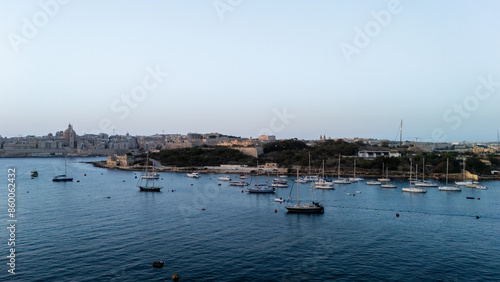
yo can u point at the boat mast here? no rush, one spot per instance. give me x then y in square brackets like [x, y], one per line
[463, 175]
[447, 160]
[411, 167]
[297, 187]
[416, 172]
[401, 134]
[423, 169]
[338, 174]
[309, 170]
[323, 169]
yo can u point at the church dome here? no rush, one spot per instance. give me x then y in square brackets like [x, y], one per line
[69, 133]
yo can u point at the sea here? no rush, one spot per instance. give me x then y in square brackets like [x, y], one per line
[100, 227]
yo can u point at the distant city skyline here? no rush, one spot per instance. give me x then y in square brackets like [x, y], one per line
[292, 69]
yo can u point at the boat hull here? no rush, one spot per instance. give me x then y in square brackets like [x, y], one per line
[306, 209]
[450, 188]
[413, 190]
[239, 183]
[62, 179]
[150, 189]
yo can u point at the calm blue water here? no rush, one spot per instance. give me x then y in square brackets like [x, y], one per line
[74, 232]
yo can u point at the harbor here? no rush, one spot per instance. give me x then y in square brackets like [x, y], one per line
[194, 226]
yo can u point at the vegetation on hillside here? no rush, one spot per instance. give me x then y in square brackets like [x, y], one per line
[293, 152]
[202, 156]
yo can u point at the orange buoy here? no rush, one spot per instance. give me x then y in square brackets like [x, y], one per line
[479, 198]
[241, 191]
[175, 277]
[202, 209]
[397, 215]
[85, 174]
[275, 210]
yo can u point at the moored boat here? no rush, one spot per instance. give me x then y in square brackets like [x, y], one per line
[312, 207]
[238, 183]
[447, 187]
[193, 175]
[412, 188]
[149, 182]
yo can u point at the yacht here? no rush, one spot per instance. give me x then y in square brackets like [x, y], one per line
[193, 175]
[412, 188]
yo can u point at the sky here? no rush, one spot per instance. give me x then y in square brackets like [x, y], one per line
[293, 69]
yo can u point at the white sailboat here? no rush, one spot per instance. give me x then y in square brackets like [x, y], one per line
[425, 183]
[312, 207]
[386, 179]
[354, 178]
[193, 175]
[341, 180]
[464, 182]
[151, 174]
[322, 183]
[412, 188]
[309, 177]
[449, 188]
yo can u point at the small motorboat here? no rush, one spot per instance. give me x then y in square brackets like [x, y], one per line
[279, 200]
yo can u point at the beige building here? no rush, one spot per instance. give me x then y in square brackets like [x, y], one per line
[123, 161]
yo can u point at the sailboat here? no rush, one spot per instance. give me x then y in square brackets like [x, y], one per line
[149, 182]
[464, 182]
[354, 178]
[309, 177]
[412, 189]
[424, 183]
[312, 207]
[322, 183]
[449, 188]
[386, 179]
[151, 174]
[62, 177]
[260, 188]
[341, 180]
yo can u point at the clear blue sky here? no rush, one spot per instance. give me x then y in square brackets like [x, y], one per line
[289, 68]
